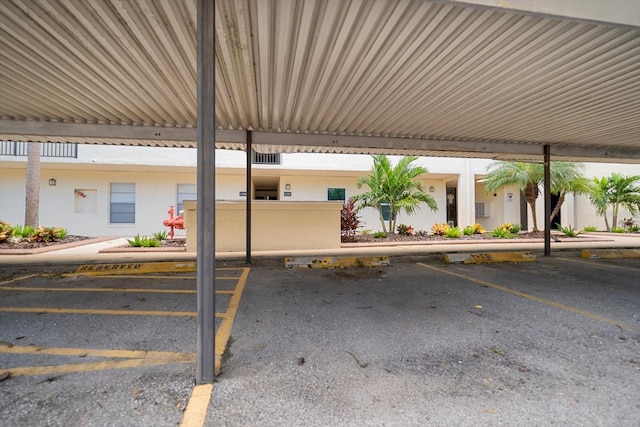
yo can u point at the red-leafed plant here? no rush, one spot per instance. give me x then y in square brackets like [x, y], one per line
[349, 219]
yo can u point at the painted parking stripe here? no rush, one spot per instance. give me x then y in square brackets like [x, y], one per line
[550, 303]
[198, 404]
[16, 279]
[196, 410]
[91, 311]
[224, 330]
[604, 265]
[91, 352]
[129, 290]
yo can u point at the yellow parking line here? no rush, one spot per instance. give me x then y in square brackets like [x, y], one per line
[224, 330]
[16, 279]
[131, 276]
[196, 411]
[602, 264]
[91, 366]
[91, 352]
[107, 312]
[131, 290]
[538, 299]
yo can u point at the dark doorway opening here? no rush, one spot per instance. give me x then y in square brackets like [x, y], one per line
[452, 207]
[524, 210]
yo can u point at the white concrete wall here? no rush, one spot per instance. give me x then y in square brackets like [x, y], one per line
[156, 173]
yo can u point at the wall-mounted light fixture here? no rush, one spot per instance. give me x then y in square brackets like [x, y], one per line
[52, 182]
[287, 186]
[432, 189]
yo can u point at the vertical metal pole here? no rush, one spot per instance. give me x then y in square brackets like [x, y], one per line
[547, 200]
[249, 197]
[205, 366]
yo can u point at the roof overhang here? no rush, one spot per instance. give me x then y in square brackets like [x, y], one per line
[475, 78]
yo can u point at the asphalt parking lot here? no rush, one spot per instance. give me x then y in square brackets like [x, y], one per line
[419, 342]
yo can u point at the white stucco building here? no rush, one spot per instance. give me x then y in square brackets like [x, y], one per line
[102, 190]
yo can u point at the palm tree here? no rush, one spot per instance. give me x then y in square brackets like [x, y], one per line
[598, 192]
[623, 192]
[529, 177]
[32, 185]
[396, 187]
[566, 178]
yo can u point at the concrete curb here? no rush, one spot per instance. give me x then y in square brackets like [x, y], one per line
[611, 253]
[136, 268]
[490, 257]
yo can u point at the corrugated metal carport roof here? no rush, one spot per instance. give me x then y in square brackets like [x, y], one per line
[422, 77]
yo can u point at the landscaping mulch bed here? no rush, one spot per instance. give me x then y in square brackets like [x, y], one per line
[401, 238]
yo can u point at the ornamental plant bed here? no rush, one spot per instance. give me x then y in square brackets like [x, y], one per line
[402, 238]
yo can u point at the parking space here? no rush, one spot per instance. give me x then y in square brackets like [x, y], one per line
[549, 342]
[96, 329]
[412, 343]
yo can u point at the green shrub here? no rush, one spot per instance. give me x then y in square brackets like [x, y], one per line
[379, 235]
[453, 233]
[144, 242]
[440, 229]
[48, 234]
[502, 233]
[633, 228]
[568, 231]
[590, 228]
[468, 230]
[20, 231]
[618, 230]
[511, 228]
[160, 235]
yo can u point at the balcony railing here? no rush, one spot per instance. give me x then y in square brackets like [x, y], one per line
[47, 149]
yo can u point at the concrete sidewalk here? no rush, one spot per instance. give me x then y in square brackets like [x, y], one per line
[90, 253]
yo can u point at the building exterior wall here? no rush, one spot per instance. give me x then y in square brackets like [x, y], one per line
[157, 172]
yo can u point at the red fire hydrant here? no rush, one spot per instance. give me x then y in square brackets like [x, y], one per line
[173, 222]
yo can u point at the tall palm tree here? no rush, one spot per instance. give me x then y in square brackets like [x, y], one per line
[396, 187]
[598, 192]
[32, 185]
[529, 177]
[624, 191]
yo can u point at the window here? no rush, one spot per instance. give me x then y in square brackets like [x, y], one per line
[482, 210]
[185, 192]
[336, 194]
[265, 158]
[47, 149]
[122, 203]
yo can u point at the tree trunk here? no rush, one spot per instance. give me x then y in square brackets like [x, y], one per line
[556, 209]
[32, 198]
[614, 220]
[531, 193]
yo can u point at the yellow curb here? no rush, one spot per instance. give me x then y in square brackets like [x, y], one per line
[336, 262]
[136, 268]
[196, 411]
[611, 253]
[490, 257]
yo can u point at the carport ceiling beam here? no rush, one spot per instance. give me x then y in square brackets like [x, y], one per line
[371, 142]
[90, 130]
